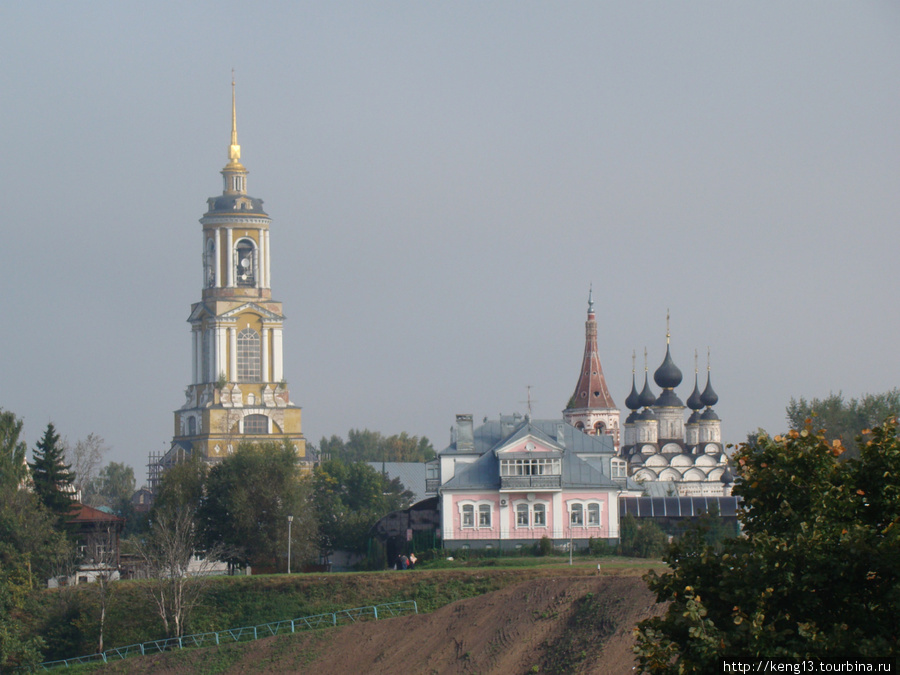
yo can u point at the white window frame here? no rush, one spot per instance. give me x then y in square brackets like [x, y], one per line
[533, 509]
[576, 508]
[584, 506]
[476, 506]
[467, 509]
[543, 511]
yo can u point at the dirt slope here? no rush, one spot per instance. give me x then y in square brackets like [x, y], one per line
[548, 625]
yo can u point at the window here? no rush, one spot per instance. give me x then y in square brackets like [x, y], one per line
[192, 426]
[209, 262]
[484, 515]
[256, 424]
[248, 356]
[618, 468]
[530, 467]
[577, 515]
[540, 515]
[599, 428]
[245, 270]
[522, 515]
[593, 515]
[468, 515]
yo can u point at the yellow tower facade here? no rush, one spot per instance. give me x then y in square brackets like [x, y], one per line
[237, 390]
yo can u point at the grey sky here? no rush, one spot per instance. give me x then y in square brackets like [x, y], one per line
[445, 181]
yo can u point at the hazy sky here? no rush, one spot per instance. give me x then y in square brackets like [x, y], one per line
[445, 181]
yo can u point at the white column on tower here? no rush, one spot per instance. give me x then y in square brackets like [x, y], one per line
[232, 351]
[268, 262]
[195, 356]
[220, 352]
[277, 367]
[211, 356]
[265, 354]
[229, 257]
[217, 256]
[262, 259]
[257, 282]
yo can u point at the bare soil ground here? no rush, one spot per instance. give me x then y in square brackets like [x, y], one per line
[555, 624]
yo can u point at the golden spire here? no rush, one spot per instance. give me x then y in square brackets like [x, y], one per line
[234, 152]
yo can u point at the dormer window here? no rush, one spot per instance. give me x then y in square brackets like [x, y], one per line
[531, 467]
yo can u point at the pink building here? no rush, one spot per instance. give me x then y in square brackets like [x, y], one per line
[515, 480]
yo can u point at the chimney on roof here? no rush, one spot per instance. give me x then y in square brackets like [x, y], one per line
[561, 434]
[465, 434]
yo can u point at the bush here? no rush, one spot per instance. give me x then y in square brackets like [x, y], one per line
[544, 546]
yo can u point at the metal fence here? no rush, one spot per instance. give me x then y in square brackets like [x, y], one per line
[244, 634]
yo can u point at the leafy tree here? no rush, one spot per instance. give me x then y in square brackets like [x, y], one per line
[13, 468]
[52, 477]
[844, 420]
[18, 651]
[371, 446]
[641, 539]
[350, 497]
[249, 496]
[113, 487]
[182, 486]
[816, 574]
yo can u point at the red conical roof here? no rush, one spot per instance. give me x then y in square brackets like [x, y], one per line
[591, 390]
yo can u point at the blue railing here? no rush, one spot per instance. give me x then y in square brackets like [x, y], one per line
[244, 634]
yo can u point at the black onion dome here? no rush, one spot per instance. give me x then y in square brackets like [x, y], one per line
[694, 418]
[727, 477]
[668, 399]
[647, 416]
[633, 402]
[709, 415]
[667, 376]
[632, 417]
[647, 397]
[709, 397]
[694, 401]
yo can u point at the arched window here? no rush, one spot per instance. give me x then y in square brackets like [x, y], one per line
[484, 515]
[468, 515]
[599, 428]
[209, 262]
[245, 268]
[593, 515]
[256, 424]
[540, 515]
[191, 426]
[522, 515]
[248, 356]
[577, 515]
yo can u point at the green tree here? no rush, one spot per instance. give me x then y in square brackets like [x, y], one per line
[641, 539]
[52, 477]
[248, 498]
[182, 486]
[844, 420]
[114, 487]
[13, 468]
[350, 497]
[18, 651]
[816, 573]
[371, 446]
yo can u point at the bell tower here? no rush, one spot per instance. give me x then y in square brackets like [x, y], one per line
[237, 390]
